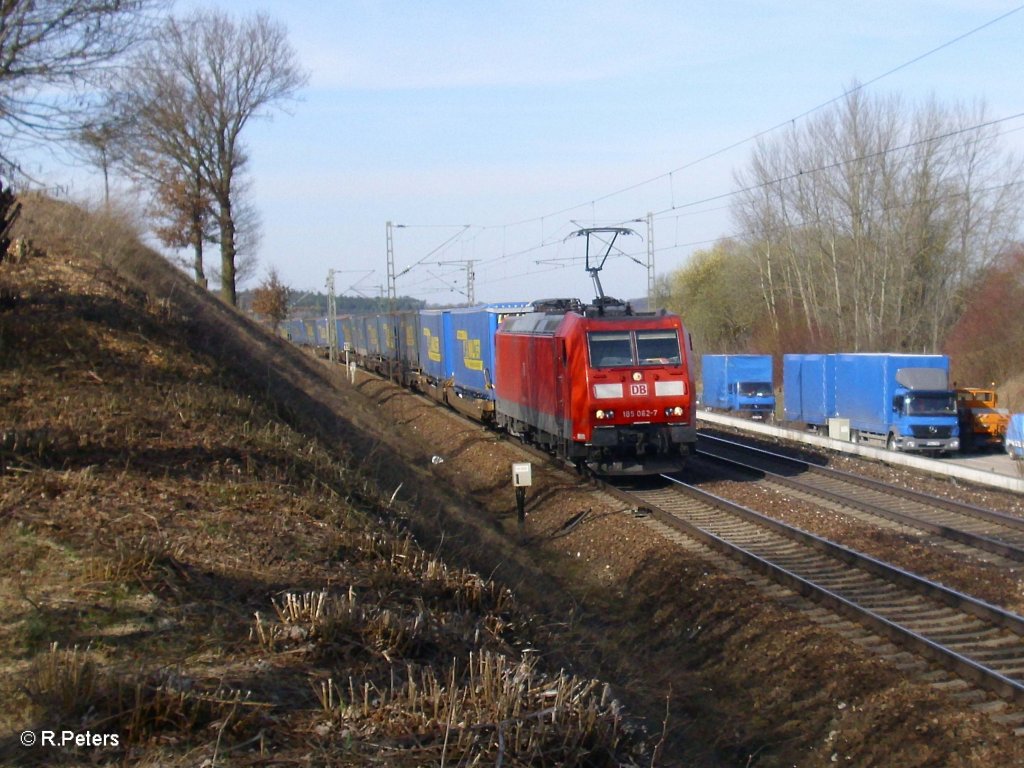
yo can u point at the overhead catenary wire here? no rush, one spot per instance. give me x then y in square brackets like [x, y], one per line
[546, 240]
[761, 184]
[838, 164]
[462, 230]
[841, 163]
[668, 175]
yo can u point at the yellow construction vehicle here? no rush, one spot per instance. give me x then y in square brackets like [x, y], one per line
[982, 422]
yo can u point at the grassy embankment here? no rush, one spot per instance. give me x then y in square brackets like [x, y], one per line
[184, 567]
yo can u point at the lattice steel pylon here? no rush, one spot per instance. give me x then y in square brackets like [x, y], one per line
[470, 278]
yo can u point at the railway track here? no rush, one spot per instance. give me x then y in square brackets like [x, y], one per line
[970, 648]
[962, 527]
[976, 641]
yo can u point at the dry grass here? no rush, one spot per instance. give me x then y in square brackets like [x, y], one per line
[64, 681]
[71, 687]
[155, 503]
[490, 711]
[482, 711]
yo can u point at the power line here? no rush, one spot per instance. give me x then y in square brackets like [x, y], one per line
[777, 180]
[832, 220]
[841, 163]
[670, 174]
[547, 240]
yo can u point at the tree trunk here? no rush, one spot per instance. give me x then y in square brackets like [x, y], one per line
[227, 254]
[197, 247]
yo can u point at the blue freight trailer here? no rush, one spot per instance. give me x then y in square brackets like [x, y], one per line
[471, 345]
[808, 392]
[1015, 436]
[435, 358]
[465, 354]
[901, 401]
[741, 384]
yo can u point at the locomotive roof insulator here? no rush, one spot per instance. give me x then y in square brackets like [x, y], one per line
[557, 306]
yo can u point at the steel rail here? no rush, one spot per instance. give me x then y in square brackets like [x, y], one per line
[961, 663]
[1011, 547]
[959, 507]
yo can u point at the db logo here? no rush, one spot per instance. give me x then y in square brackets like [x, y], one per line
[638, 389]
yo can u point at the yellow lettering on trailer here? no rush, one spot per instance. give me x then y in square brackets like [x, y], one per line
[471, 356]
[433, 345]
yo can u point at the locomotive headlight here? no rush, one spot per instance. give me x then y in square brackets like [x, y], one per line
[599, 414]
[602, 414]
[637, 376]
[677, 411]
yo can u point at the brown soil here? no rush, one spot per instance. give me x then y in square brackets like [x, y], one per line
[170, 470]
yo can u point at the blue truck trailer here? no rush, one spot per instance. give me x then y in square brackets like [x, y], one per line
[901, 401]
[1015, 436]
[435, 358]
[471, 346]
[740, 384]
[808, 392]
[467, 354]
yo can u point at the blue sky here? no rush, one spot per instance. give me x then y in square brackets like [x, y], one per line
[526, 120]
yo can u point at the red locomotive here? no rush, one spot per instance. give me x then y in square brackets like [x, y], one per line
[599, 386]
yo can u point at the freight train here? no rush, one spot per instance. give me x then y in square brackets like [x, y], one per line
[604, 387]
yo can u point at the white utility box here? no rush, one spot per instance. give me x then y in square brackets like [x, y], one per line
[522, 474]
[839, 429]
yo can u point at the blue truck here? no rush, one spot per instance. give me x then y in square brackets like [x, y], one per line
[901, 401]
[740, 384]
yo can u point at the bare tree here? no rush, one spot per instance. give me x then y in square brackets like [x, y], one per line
[50, 48]
[164, 150]
[869, 220]
[987, 343]
[189, 96]
[201, 83]
[101, 144]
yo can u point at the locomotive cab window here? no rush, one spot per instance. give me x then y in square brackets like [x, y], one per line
[657, 347]
[609, 349]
